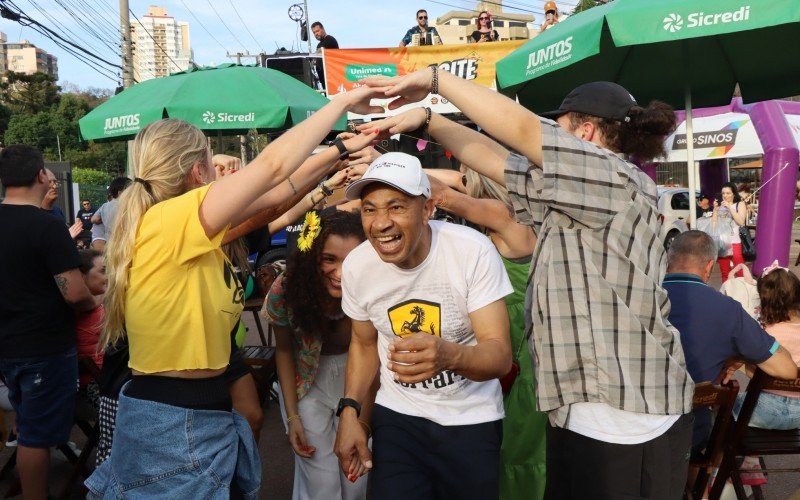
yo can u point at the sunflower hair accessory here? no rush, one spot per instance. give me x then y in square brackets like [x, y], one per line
[312, 226]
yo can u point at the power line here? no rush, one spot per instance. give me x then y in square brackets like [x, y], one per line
[111, 27]
[20, 16]
[154, 41]
[87, 28]
[60, 26]
[93, 65]
[204, 27]
[245, 26]
[223, 23]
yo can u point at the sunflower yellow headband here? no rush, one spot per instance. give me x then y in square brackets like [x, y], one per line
[312, 226]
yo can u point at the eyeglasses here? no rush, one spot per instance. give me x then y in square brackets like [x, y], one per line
[422, 17]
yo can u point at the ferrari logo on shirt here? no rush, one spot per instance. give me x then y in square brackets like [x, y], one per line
[416, 316]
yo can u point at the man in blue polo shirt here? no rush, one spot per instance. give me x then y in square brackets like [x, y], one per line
[713, 327]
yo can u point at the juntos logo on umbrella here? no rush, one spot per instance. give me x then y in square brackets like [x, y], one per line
[124, 123]
[674, 22]
[210, 117]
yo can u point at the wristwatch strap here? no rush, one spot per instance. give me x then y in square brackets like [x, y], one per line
[343, 152]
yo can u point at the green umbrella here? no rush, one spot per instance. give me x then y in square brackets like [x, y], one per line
[656, 48]
[683, 52]
[229, 98]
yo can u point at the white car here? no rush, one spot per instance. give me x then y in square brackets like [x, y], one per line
[673, 212]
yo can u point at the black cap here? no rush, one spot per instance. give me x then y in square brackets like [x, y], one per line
[603, 99]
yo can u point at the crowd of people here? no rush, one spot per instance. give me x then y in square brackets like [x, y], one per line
[550, 350]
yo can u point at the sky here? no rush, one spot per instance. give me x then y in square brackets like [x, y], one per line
[220, 26]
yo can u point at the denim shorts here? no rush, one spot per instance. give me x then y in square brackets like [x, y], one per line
[164, 451]
[772, 411]
[42, 392]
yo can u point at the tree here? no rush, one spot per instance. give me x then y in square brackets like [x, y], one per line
[583, 5]
[29, 94]
[88, 176]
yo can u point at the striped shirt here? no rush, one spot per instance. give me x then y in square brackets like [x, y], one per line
[597, 313]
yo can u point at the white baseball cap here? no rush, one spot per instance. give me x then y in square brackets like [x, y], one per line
[398, 170]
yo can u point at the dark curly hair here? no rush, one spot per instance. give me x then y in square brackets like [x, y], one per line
[304, 290]
[779, 291]
[642, 137]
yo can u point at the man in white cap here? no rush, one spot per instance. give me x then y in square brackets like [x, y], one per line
[426, 301]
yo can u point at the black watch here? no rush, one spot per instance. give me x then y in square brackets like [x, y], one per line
[352, 403]
[343, 152]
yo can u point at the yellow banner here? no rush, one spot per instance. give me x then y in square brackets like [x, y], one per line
[345, 68]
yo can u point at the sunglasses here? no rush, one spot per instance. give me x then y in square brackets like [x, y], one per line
[422, 17]
[483, 18]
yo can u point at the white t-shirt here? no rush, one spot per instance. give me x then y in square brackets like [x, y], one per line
[611, 425]
[462, 273]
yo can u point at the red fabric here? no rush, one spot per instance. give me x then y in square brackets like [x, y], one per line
[728, 263]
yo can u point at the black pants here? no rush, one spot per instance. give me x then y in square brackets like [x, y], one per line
[415, 458]
[579, 467]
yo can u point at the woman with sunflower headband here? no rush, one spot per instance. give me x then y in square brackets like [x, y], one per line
[313, 337]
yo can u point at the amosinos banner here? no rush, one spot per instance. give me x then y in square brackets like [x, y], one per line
[345, 68]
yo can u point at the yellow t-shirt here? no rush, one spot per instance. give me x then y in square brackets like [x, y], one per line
[183, 297]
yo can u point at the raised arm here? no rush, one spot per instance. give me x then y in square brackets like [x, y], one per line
[504, 119]
[492, 214]
[484, 155]
[452, 178]
[230, 197]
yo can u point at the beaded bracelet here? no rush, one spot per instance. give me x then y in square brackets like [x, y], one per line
[291, 185]
[435, 80]
[428, 115]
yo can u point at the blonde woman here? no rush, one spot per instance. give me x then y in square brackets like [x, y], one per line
[175, 296]
[487, 204]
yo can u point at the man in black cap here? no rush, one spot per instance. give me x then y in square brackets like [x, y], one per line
[610, 369]
[703, 206]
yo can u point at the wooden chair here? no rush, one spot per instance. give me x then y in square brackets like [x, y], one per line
[745, 440]
[261, 360]
[721, 399]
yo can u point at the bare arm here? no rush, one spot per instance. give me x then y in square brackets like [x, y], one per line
[229, 198]
[452, 178]
[96, 219]
[504, 119]
[73, 289]
[780, 365]
[422, 356]
[481, 153]
[283, 197]
[362, 368]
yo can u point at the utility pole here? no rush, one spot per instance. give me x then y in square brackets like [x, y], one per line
[239, 55]
[127, 50]
[308, 25]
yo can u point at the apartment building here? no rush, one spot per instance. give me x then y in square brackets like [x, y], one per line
[24, 57]
[161, 45]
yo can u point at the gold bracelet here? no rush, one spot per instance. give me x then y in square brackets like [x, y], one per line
[292, 418]
[366, 427]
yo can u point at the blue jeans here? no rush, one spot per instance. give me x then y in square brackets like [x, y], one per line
[772, 411]
[164, 451]
[42, 392]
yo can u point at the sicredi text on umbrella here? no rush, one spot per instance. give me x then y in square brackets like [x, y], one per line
[544, 58]
[210, 117]
[674, 22]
